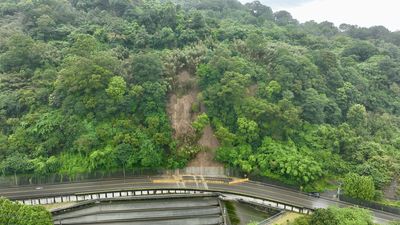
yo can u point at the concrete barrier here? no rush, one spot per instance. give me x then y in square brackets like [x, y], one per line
[80, 197]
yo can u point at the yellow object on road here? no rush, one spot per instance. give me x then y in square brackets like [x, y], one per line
[238, 181]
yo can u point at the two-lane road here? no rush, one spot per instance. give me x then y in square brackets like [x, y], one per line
[253, 189]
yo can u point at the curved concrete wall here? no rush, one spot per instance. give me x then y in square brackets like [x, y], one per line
[174, 211]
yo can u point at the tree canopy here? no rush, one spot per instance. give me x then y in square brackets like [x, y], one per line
[19, 214]
[84, 86]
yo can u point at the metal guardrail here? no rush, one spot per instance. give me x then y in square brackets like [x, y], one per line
[370, 204]
[80, 197]
[34, 179]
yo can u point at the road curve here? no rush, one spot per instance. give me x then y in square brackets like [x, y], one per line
[253, 189]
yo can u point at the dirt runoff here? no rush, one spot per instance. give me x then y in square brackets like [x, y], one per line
[180, 105]
[206, 157]
[208, 140]
[179, 110]
[181, 115]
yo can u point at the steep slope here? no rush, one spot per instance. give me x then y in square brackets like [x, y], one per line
[180, 105]
[182, 115]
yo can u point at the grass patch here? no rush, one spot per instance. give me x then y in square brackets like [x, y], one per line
[233, 217]
[288, 218]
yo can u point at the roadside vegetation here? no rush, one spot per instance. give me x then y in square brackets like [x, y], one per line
[231, 212]
[12, 213]
[336, 216]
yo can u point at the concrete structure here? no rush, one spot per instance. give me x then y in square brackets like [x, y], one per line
[175, 210]
[147, 193]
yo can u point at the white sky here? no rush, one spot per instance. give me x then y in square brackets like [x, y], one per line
[364, 13]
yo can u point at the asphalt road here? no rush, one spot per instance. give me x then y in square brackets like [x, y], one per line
[253, 189]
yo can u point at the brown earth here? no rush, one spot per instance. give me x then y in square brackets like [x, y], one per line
[208, 140]
[180, 111]
[205, 158]
[179, 107]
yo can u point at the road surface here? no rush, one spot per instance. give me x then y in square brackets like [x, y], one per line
[249, 188]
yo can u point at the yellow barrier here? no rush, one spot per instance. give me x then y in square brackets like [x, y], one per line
[164, 181]
[215, 182]
[239, 181]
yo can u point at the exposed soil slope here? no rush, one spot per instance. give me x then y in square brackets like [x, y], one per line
[181, 115]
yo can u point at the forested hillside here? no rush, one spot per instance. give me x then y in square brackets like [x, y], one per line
[84, 87]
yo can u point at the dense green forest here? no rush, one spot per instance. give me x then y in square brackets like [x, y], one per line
[84, 86]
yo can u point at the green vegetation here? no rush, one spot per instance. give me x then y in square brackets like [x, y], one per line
[360, 187]
[84, 85]
[231, 211]
[201, 121]
[19, 214]
[336, 216]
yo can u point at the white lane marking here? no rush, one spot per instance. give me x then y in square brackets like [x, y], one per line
[195, 179]
[204, 182]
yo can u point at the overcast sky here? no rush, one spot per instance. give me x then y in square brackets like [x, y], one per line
[364, 13]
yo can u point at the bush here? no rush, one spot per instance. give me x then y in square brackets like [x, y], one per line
[18, 214]
[360, 187]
